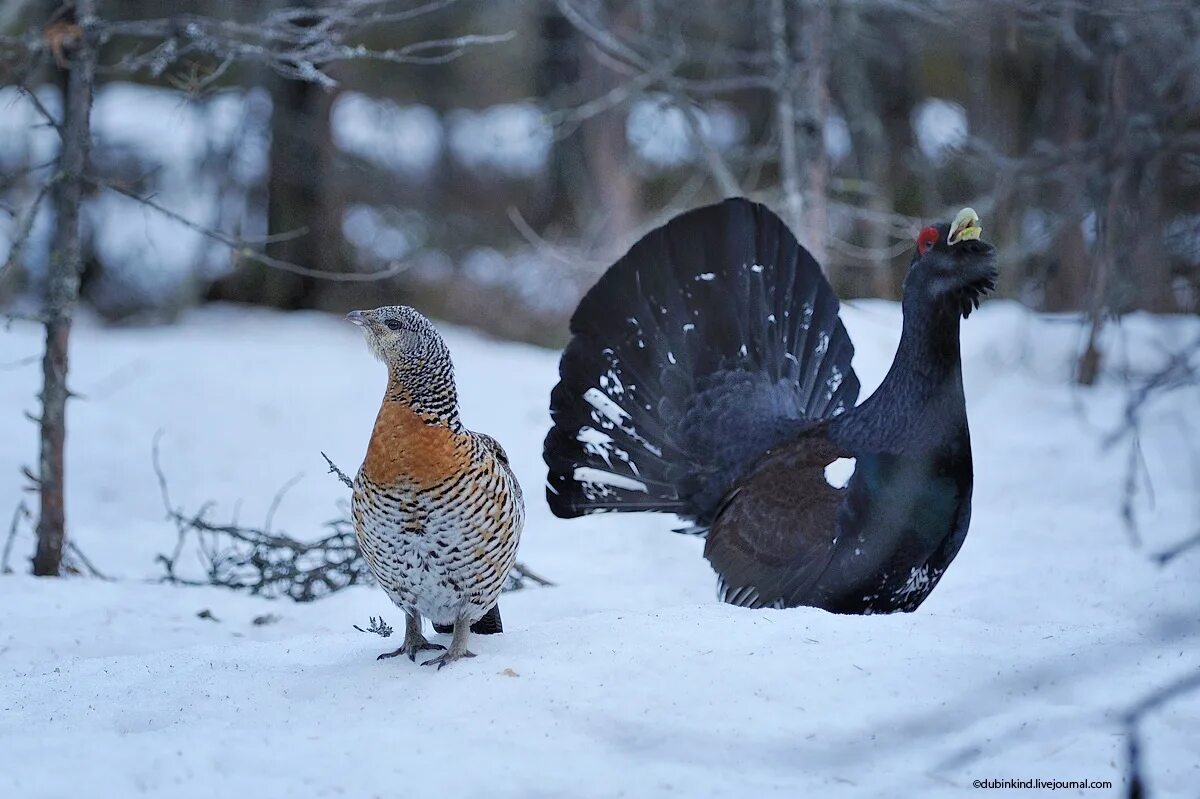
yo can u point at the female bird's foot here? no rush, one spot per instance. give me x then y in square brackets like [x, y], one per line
[414, 639]
[458, 646]
[411, 648]
[447, 658]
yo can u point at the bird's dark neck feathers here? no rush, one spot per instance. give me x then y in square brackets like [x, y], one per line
[426, 386]
[920, 403]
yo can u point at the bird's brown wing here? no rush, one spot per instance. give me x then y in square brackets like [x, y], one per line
[775, 533]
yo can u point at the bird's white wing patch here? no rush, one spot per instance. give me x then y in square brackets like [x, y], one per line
[837, 474]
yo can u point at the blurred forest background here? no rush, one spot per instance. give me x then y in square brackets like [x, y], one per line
[495, 179]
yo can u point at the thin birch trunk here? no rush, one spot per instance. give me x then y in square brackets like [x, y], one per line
[62, 293]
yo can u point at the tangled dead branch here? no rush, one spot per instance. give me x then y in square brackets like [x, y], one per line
[21, 513]
[1180, 370]
[256, 560]
[1134, 767]
[263, 562]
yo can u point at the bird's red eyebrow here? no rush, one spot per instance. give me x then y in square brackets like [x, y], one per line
[927, 238]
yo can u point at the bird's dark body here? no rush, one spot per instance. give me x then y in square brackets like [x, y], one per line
[709, 376]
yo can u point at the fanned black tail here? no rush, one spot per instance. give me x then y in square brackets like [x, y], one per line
[713, 339]
[489, 624]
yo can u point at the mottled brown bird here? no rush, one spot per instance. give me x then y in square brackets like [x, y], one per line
[437, 509]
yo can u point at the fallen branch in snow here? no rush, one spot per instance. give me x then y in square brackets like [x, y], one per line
[257, 560]
[76, 562]
[519, 574]
[1133, 717]
[378, 627]
[262, 562]
[1169, 555]
[22, 512]
[1181, 370]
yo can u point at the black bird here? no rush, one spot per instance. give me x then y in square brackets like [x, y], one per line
[708, 375]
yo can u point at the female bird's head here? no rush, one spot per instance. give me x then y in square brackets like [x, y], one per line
[952, 267]
[399, 335]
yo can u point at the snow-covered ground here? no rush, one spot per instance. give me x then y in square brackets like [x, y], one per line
[628, 678]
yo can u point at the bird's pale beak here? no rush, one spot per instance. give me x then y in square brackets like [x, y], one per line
[965, 227]
[357, 317]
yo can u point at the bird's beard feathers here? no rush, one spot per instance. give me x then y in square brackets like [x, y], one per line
[969, 295]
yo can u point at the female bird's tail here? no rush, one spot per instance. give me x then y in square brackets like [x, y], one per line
[713, 339]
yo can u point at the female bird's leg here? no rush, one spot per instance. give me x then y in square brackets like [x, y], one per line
[414, 641]
[458, 646]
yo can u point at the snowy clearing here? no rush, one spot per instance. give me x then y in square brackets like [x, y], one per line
[628, 678]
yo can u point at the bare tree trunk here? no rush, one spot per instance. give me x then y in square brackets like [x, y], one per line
[558, 204]
[62, 293]
[1112, 224]
[1151, 264]
[300, 200]
[802, 105]
[297, 202]
[811, 45]
[864, 118]
[785, 116]
[1067, 287]
[606, 152]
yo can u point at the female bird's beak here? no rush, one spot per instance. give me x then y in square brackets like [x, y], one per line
[965, 227]
[357, 317]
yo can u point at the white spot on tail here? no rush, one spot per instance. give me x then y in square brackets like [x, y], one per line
[707, 276]
[611, 383]
[822, 344]
[609, 415]
[606, 407]
[598, 478]
[688, 327]
[596, 442]
[837, 474]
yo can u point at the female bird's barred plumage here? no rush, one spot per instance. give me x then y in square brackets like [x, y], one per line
[437, 510]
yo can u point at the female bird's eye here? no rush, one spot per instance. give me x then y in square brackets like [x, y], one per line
[393, 324]
[929, 237]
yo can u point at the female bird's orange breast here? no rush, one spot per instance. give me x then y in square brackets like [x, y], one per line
[407, 448]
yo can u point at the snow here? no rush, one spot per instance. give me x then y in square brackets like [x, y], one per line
[511, 138]
[627, 678]
[375, 231]
[403, 138]
[660, 134]
[836, 137]
[941, 128]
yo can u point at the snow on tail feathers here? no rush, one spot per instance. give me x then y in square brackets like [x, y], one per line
[714, 338]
